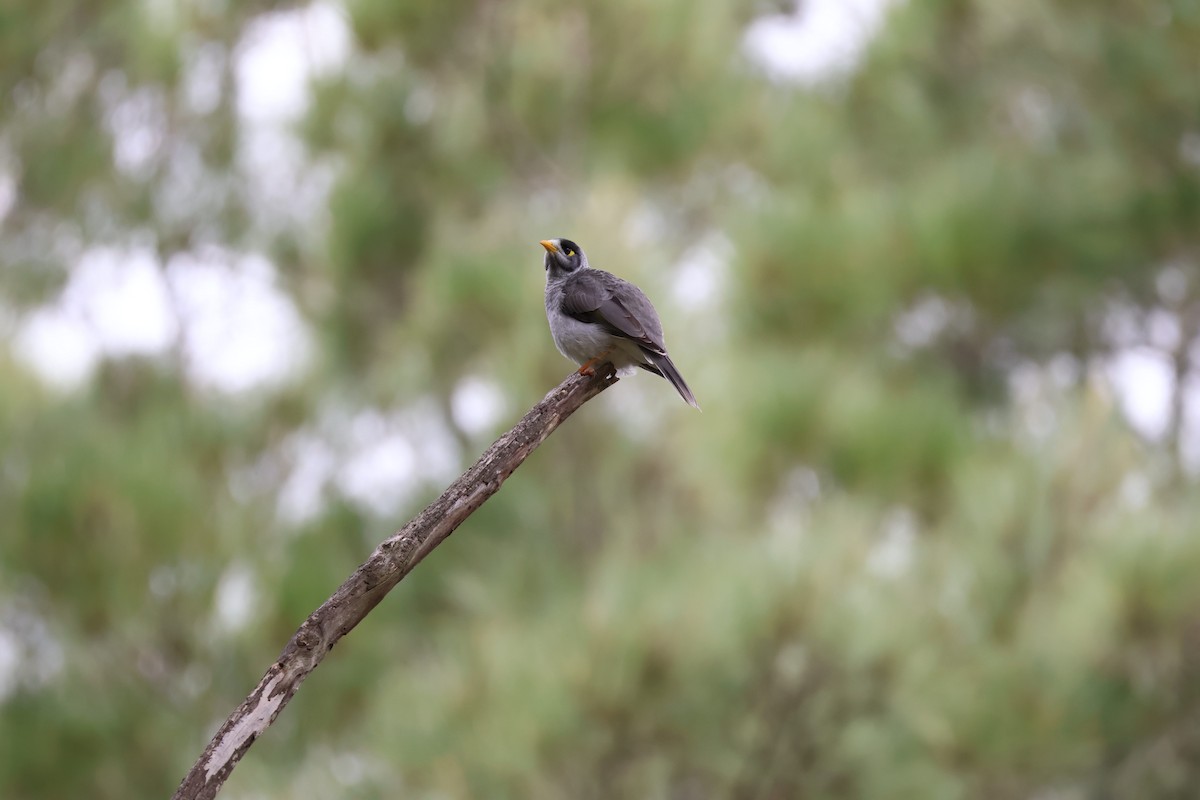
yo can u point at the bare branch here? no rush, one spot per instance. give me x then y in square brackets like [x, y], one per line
[392, 560]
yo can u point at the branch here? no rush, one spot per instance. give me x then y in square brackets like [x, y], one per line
[394, 558]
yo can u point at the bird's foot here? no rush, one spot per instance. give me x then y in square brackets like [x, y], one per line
[588, 367]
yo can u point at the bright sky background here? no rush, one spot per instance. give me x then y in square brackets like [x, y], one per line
[821, 41]
[237, 330]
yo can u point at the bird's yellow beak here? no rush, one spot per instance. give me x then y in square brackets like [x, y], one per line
[549, 245]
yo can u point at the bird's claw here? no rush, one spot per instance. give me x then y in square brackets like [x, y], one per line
[588, 368]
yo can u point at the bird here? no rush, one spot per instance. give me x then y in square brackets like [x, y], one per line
[596, 317]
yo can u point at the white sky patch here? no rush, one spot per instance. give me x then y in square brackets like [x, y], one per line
[241, 331]
[276, 60]
[637, 410]
[1164, 329]
[121, 295]
[701, 274]
[202, 77]
[437, 450]
[313, 466]
[1144, 383]
[477, 405]
[387, 457]
[115, 302]
[1190, 427]
[30, 655]
[920, 324]
[236, 596]
[382, 473]
[892, 555]
[138, 121]
[643, 225]
[1123, 325]
[8, 194]
[238, 330]
[281, 52]
[377, 459]
[818, 40]
[10, 660]
[57, 346]
[284, 187]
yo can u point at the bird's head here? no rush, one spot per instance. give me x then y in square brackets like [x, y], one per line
[563, 256]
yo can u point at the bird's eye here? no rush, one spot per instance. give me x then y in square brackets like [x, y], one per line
[570, 253]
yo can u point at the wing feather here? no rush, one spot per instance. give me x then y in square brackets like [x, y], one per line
[602, 298]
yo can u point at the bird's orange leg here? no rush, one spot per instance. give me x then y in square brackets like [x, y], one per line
[589, 367]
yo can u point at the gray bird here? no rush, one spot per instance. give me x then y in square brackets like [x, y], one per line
[597, 317]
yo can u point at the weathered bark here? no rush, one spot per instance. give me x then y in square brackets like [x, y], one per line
[392, 560]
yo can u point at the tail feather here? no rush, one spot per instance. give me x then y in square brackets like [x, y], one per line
[662, 364]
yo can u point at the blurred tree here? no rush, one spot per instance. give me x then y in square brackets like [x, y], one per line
[909, 550]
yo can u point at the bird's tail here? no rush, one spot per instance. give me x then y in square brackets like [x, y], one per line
[664, 366]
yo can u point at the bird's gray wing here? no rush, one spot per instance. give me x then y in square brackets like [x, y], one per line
[602, 298]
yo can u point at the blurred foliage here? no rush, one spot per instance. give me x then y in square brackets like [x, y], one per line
[909, 550]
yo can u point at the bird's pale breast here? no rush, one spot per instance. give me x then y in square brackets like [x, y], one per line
[583, 341]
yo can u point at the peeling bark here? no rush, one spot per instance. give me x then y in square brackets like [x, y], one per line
[394, 558]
